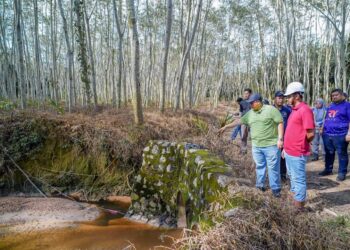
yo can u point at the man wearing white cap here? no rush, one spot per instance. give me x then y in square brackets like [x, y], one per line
[299, 133]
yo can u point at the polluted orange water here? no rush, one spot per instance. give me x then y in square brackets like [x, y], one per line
[107, 232]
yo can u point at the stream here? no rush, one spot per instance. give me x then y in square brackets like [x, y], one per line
[108, 231]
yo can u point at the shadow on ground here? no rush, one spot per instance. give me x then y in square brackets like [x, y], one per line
[314, 181]
[334, 198]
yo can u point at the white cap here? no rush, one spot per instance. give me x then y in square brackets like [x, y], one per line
[294, 87]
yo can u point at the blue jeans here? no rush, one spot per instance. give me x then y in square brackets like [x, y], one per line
[297, 172]
[235, 132]
[316, 142]
[267, 157]
[332, 144]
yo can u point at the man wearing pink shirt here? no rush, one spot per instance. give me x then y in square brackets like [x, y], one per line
[299, 133]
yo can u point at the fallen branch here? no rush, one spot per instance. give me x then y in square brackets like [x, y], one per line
[23, 172]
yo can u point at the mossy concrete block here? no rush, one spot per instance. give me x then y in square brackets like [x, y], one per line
[171, 172]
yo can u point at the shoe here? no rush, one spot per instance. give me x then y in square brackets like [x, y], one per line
[299, 206]
[276, 193]
[315, 158]
[284, 179]
[325, 173]
[341, 177]
[262, 189]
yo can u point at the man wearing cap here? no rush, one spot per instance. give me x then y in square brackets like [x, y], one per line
[285, 112]
[266, 126]
[299, 134]
[336, 134]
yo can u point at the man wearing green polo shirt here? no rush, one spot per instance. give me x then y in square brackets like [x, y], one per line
[266, 125]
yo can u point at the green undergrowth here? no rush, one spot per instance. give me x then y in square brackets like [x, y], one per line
[60, 159]
[67, 167]
[340, 224]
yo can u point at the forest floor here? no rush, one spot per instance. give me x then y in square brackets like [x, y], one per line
[327, 198]
[326, 192]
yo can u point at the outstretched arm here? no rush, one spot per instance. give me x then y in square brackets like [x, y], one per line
[230, 125]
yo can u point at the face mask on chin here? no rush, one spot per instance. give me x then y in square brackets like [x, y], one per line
[256, 106]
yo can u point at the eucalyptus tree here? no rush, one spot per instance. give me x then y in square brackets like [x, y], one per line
[135, 56]
[337, 14]
[38, 80]
[21, 68]
[82, 54]
[182, 52]
[187, 50]
[69, 56]
[90, 50]
[166, 52]
[118, 20]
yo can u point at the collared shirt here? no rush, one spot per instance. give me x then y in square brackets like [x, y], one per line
[285, 112]
[263, 124]
[300, 120]
[337, 119]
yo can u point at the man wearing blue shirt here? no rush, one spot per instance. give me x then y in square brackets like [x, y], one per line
[285, 112]
[336, 134]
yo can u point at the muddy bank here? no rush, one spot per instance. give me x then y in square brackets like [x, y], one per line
[19, 214]
[54, 223]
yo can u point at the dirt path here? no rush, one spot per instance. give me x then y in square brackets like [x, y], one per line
[325, 193]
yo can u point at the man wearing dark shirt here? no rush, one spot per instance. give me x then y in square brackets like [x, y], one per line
[285, 112]
[237, 129]
[245, 107]
[336, 134]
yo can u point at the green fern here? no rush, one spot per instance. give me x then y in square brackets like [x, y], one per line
[226, 119]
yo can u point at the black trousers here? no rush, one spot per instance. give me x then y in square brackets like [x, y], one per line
[283, 168]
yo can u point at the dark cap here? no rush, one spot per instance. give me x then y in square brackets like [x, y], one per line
[279, 93]
[254, 97]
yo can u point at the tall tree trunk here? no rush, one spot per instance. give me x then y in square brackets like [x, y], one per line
[186, 55]
[54, 78]
[135, 51]
[91, 54]
[288, 37]
[69, 56]
[117, 17]
[22, 84]
[82, 55]
[166, 52]
[74, 87]
[38, 81]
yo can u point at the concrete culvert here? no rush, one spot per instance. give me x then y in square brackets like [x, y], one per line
[181, 181]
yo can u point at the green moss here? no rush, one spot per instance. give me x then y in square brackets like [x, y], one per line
[169, 169]
[55, 159]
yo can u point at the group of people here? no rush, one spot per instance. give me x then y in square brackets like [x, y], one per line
[282, 135]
